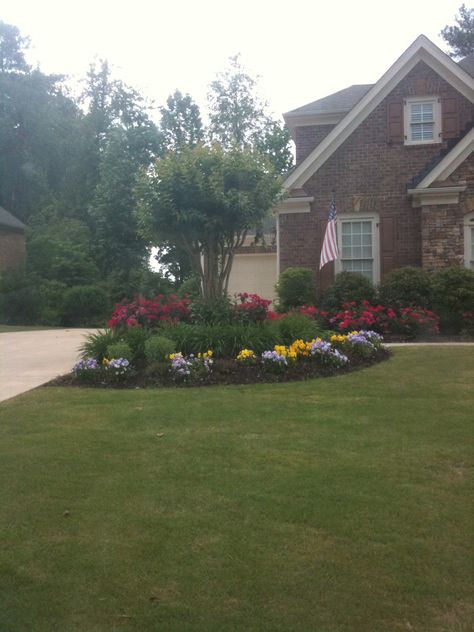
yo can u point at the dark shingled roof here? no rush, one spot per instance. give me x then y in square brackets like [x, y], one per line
[7, 220]
[467, 64]
[342, 101]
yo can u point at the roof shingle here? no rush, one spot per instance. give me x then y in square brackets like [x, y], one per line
[7, 220]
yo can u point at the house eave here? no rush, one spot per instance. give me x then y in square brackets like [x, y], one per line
[301, 204]
[436, 196]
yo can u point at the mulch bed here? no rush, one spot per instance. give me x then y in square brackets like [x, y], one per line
[224, 372]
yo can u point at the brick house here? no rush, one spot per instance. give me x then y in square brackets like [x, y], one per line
[399, 158]
[12, 240]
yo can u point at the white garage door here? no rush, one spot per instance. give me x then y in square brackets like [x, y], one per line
[255, 274]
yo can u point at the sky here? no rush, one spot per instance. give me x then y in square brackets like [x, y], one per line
[301, 50]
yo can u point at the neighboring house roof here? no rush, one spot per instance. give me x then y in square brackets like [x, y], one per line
[422, 49]
[467, 64]
[7, 220]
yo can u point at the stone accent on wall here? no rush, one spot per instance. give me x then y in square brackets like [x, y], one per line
[12, 249]
[442, 237]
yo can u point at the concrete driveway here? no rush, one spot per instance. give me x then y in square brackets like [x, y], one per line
[31, 358]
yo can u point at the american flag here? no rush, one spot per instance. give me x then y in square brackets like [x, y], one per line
[330, 251]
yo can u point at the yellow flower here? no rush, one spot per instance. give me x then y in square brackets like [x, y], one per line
[105, 362]
[246, 355]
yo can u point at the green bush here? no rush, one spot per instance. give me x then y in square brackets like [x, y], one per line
[85, 305]
[96, 344]
[297, 327]
[295, 287]
[348, 287]
[136, 338]
[211, 311]
[225, 340]
[20, 298]
[190, 287]
[453, 295]
[157, 348]
[407, 286]
[52, 298]
[119, 350]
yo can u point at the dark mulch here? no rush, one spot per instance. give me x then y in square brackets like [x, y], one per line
[225, 371]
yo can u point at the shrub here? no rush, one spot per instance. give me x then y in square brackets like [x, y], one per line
[96, 344]
[453, 296]
[191, 288]
[251, 308]
[226, 340]
[295, 287]
[297, 327]
[119, 350]
[216, 311]
[136, 338]
[348, 287]
[85, 305]
[157, 348]
[20, 299]
[142, 312]
[409, 321]
[407, 286]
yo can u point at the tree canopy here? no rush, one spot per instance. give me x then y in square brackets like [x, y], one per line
[460, 37]
[206, 199]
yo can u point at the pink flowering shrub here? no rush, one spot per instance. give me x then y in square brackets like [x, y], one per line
[142, 312]
[407, 321]
[251, 308]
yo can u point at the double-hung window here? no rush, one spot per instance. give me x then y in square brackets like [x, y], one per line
[422, 120]
[358, 246]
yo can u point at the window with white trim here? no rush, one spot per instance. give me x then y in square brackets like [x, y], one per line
[358, 245]
[469, 241]
[422, 116]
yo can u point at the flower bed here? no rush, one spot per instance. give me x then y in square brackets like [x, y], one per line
[299, 360]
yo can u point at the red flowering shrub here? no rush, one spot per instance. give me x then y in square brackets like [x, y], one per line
[145, 313]
[251, 308]
[407, 321]
[417, 321]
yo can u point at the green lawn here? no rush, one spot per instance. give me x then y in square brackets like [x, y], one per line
[342, 504]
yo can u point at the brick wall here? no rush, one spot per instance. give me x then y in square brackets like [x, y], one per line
[12, 249]
[368, 174]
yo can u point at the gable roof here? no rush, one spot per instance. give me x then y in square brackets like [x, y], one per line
[467, 64]
[7, 220]
[422, 49]
[341, 101]
[450, 162]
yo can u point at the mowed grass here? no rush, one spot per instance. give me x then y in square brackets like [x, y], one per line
[340, 504]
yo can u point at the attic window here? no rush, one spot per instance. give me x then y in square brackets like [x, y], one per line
[422, 118]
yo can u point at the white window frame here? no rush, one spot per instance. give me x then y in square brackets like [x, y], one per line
[436, 101]
[359, 217]
[468, 240]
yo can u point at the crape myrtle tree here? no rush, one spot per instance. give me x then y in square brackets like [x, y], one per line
[460, 38]
[205, 200]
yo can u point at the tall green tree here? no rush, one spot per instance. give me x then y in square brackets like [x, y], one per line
[206, 200]
[238, 116]
[117, 245]
[181, 123]
[460, 37]
[12, 49]
[38, 131]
